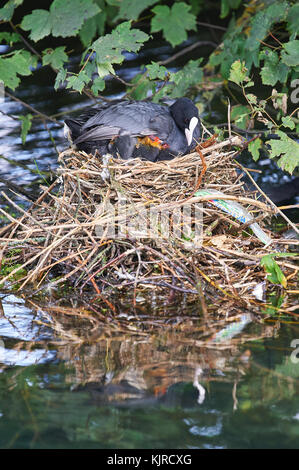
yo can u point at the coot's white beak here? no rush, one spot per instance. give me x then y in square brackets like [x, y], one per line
[67, 133]
[189, 132]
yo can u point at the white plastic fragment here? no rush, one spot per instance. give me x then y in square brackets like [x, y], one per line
[236, 210]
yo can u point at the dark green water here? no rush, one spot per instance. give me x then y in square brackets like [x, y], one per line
[130, 381]
[71, 382]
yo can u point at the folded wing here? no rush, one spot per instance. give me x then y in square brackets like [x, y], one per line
[130, 117]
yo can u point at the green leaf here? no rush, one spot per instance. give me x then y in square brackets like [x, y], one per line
[262, 22]
[23, 62]
[88, 31]
[288, 151]
[234, 46]
[68, 16]
[91, 27]
[18, 64]
[78, 82]
[55, 57]
[60, 78]
[109, 48]
[293, 19]
[238, 72]
[90, 67]
[26, 126]
[274, 302]
[7, 11]
[131, 9]
[105, 69]
[191, 74]
[38, 22]
[98, 85]
[273, 70]
[226, 5]
[251, 98]
[101, 17]
[130, 39]
[144, 85]
[9, 38]
[156, 71]
[276, 275]
[288, 122]
[174, 22]
[254, 148]
[196, 6]
[180, 82]
[249, 84]
[290, 54]
[65, 18]
[240, 115]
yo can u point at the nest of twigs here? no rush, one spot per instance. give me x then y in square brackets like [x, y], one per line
[82, 231]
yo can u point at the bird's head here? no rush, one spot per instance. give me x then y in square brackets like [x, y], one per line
[185, 114]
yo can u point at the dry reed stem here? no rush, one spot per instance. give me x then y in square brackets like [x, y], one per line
[58, 235]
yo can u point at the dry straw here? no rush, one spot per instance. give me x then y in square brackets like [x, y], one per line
[65, 236]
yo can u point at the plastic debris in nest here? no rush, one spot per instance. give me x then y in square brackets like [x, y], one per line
[237, 211]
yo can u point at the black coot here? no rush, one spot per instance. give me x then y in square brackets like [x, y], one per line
[137, 129]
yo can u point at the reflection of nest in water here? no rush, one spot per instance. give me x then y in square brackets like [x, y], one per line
[117, 358]
[134, 349]
[129, 357]
[65, 237]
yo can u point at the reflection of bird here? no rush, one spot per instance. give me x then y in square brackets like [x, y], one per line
[137, 129]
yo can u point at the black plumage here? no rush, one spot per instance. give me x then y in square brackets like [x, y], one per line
[137, 129]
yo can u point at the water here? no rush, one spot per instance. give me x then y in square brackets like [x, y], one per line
[87, 384]
[161, 375]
